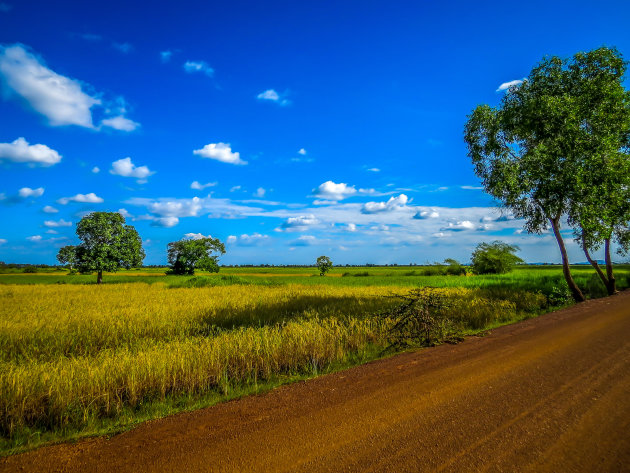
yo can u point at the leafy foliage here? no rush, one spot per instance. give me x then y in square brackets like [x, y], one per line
[68, 255]
[324, 264]
[186, 255]
[494, 258]
[107, 244]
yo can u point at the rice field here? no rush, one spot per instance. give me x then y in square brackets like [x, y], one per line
[77, 358]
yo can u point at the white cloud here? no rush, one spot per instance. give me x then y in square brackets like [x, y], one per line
[120, 123]
[220, 152]
[34, 238]
[255, 239]
[3, 241]
[165, 56]
[305, 240]
[508, 85]
[458, 226]
[472, 188]
[235, 188]
[19, 151]
[50, 210]
[392, 204]
[56, 224]
[96, 170]
[351, 227]
[124, 167]
[302, 151]
[60, 99]
[198, 66]
[196, 236]
[424, 214]
[198, 186]
[26, 192]
[298, 224]
[270, 95]
[260, 192]
[165, 222]
[333, 191]
[125, 213]
[90, 198]
[374, 170]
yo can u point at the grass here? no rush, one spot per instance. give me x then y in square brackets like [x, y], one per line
[79, 359]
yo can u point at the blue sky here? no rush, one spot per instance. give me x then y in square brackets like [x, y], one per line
[286, 129]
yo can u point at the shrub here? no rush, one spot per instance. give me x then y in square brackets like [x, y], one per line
[494, 258]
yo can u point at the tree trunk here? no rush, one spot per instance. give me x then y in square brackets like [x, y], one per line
[594, 264]
[612, 284]
[575, 290]
[99, 277]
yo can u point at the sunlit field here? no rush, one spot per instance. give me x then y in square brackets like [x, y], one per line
[77, 358]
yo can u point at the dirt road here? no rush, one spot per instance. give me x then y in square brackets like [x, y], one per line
[549, 394]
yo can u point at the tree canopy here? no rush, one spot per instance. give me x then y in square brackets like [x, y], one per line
[324, 264]
[107, 244]
[494, 258]
[557, 148]
[186, 255]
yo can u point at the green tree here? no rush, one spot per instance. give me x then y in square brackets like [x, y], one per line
[324, 265]
[107, 244]
[601, 211]
[454, 267]
[494, 258]
[68, 256]
[186, 255]
[537, 152]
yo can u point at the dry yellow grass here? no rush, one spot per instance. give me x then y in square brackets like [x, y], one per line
[71, 353]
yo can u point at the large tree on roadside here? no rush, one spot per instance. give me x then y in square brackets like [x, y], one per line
[601, 145]
[530, 152]
[107, 244]
[186, 255]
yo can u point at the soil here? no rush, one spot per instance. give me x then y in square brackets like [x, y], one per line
[550, 394]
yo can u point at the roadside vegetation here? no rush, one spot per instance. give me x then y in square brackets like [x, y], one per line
[80, 359]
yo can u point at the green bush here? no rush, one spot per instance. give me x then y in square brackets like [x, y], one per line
[494, 258]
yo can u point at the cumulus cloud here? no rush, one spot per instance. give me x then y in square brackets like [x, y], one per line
[235, 188]
[392, 204]
[255, 239]
[510, 84]
[3, 241]
[198, 186]
[260, 192]
[374, 170]
[20, 151]
[351, 227]
[60, 99]
[220, 152]
[90, 198]
[299, 223]
[198, 66]
[120, 123]
[166, 222]
[50, 210]
[270, 95]
[304, 240]
[302, 151]
[125, 213]
[96, 170]
[57, 223]
[424, 214]
[332, 191]
[26, 192]
[34, 238]
[196, 236]
[124, 167]
[459, 226]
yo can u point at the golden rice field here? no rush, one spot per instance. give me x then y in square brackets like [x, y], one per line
[73, 354]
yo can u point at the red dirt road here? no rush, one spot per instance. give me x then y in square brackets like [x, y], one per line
[550, 394]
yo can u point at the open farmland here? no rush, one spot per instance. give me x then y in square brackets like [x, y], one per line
[80, 359]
